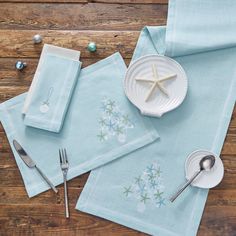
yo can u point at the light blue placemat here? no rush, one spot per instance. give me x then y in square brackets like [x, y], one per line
[135, 193]
[100, 126]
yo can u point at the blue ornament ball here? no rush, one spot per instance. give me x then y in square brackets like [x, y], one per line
[20, 65]
[92, 47]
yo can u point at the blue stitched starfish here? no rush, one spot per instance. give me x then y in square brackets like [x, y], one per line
[151, 177]
[153, 184]
[150, 168]
[138, 180]
[161, 202]
[111, 125]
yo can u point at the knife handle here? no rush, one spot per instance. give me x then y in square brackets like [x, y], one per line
[47, 180]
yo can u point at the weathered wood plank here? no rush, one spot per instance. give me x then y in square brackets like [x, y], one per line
[9, 76]
[91, 1]
[16, 43]
[91, 16]
[50, 219]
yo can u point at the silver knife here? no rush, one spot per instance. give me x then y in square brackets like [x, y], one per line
[31, 164]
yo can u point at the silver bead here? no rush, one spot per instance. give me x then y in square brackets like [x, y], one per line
[37, 38]
[20, 65]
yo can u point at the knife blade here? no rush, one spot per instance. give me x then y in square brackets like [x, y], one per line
[31, 164]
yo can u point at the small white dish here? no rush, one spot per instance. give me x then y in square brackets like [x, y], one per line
[207, 179]
[158, 103]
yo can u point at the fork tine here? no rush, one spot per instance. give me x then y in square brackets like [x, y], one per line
[60, 156]
[66, 159]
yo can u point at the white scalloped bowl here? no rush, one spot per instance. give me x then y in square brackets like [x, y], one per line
[158, 103]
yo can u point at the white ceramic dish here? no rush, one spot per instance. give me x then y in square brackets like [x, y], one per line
[158, 103]
[207, 179]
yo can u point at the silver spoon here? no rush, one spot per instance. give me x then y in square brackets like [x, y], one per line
[206, 163]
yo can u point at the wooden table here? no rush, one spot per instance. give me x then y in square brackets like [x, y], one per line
[114, 27]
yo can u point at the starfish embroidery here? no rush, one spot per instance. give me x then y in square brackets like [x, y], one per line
[127, 191]
[111, 103]
[144, 198]
[111, 125]
[125, 119]
[102, 136]
[156, 82]
[151, 177]
[161, 202]
[153, 184]
[150, 169]
[158, 194]
[158, 172]
[119, 130]
[102, 121]
[138, 180]
[109, 110]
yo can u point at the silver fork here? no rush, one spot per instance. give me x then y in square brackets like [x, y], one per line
[64, 168]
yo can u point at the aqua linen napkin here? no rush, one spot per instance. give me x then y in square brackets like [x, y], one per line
[134, 190]
[52, 87]
[100, 126]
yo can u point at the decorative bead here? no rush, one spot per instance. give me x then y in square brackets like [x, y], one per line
[92, 47]
[37, 38]
[20, 65]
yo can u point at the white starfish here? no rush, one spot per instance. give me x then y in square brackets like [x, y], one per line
[156, 82]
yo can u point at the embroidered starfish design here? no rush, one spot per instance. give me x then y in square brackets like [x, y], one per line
[119, 130]
[102, 121]
[101, 136]
[158, 194]
[142, 187]
[109, 110]
[138, 180]
[111, 103]
[127, 191]
[125, 119]
[161, 202]
[151, 177]
[156, 82]
[144, 198]
[150, 168]
[158, 172]
[153, 184]
[111, 125]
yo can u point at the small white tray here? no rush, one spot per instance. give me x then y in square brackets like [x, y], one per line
[158, 103]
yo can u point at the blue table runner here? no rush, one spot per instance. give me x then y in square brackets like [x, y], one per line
[134, 190]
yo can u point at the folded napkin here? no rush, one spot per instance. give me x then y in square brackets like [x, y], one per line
[135, 193]
[100, 126]
[52, 87]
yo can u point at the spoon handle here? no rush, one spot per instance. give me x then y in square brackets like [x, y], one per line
[185, 186]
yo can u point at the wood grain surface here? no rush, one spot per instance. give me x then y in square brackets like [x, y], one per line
[114, 25]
